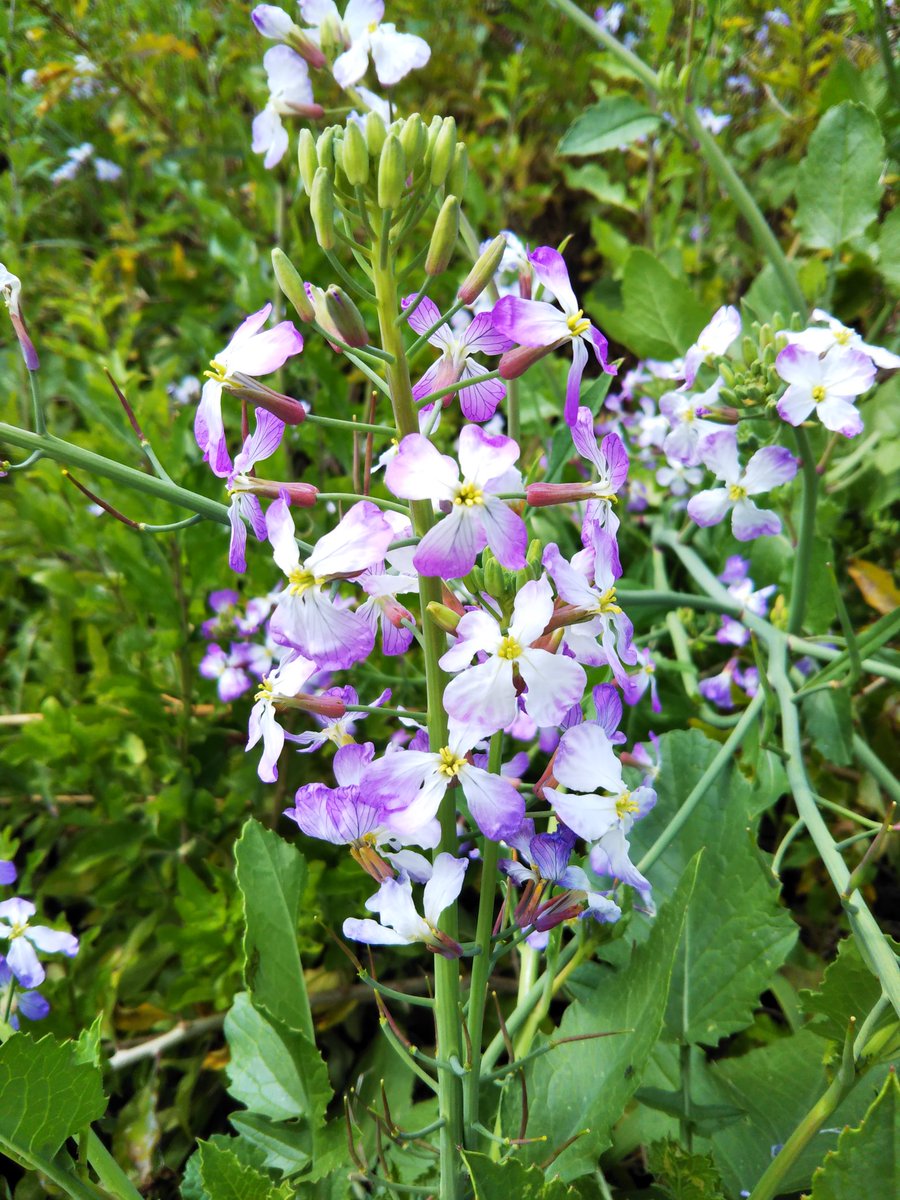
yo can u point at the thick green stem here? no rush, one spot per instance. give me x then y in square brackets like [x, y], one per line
[803, 552]
[481, 965]
[446, 970]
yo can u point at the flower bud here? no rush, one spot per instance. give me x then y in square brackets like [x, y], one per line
[376, 134]
[515, 363]
[749, 351]
[483, 271]
[494, 577]
[10, 287]
[302, 494]
[444, 150]
[325, 149]
[391, 173]
[443, 239]
[544, 495]
[413, 139]
[292, 285]
[321, 207]
[459, 171]
[355, 156]
[445, 618]
[285, 408]
[306, 158]
[273, 22]
[345, 318]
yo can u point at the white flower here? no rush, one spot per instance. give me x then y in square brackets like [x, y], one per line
[820, 340]
[826, 386]
[362, 34]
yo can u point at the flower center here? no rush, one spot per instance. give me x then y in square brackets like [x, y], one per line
[469, 494]
[265, 689]
[736, 492]
[510, 649]
[450, 764]
[688, 416]
[338, 734]
[625, 806]
[217, 371]
[818, 393]
[300, 580]
[608, 602]
[843, 336]
[578, 323]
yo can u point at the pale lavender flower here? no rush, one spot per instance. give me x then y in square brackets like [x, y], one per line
[76, 157]
[712, 341]
[106, 171]
[820, 340]
[733, 632]
[687, 415]
[339, 730]
[281, 685]
[610, 18]
[677, 477]
[634, 686]
[227, 669]
[186, 391]
[361, 33]
[547, 857]
[826, 386]
[7, 872]
[30, 1004]
[23, 937]
[290, 95]
[718, 688]
[401, 924]
[768, 468]
[245, 507]
[709, 120]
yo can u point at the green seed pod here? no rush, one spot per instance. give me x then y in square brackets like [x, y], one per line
[325, 149]
[376, 133]
[443, 239]
[345, 318]
[306, 157]
[413, 139]
[459, 171]
[483, 271]
[321, 207]
[391, 173]
[444, 150]
[292, 285]
[355, 156]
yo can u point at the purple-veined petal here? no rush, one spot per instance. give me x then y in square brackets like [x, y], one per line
[600, 347]
[550, 269]
[7, 872]
[529, 322]
[709, 507]
[351, 762]
[23, 962]
[586, 760]
[237, 545]
[262, 443]
[420, 472]
[442, 373]
[479, 401]
[585, 438]
[608, 706]
[748, 521]
[610, 857]
[505, 532]
[266, 351]
[425, 315]
[482, 338]
[32, 1005]
[570, 583]
[209, 430]
[450, 547]
[768, 468]
[554, 684]
[358, 541]
[573, 381]
[483, 457]
[334, 638]
[496, 807]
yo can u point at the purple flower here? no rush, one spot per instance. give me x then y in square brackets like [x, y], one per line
[476, 517]
[251, 351]
[227, 670]
[736, 569]
[361, 33]
[305, 616]
[280, 686]
[478, 401]
[400, 923]
[687, 416]
[339, 730]
[709, 120]
[826, 386]
[245, 506]
[768, 468]
[484, 698]
[635, 685]
[536, 323]
[610, 18]
[7, 872]
[30, 1004]
[23, 937]
[382, 608]
[733, 632]
[718, 688]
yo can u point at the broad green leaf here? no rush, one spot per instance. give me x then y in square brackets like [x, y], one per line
[224, 1177]
[776, 1086]
[871, 1152]
[501, 1181]
[736, 934]
[659, 317]
[581, 1088]
[829, 722]
[838, 188]
[46, 1094]
[286, 1145]
[274, 1070]
[848, 991]
[271, 875]
[613, 122]
[682, 1175]
[889, 249]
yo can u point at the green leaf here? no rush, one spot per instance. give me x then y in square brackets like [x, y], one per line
[705, 1118]
[838, 188]
[271, 875]
[224, 1177]
[871, 1152]
[736, 934]
[828, 719]
[286, 1145]
[274, 1070]
[848, 991]
[613, 122]
[659, 317]
[500, 1181]
[47, 1094]
[682, 1175]
[580, 1089]
[889, 249]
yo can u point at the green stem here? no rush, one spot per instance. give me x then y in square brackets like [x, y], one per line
[63, 1178]
[112, 1178]
[339, 497]
[481, 965]
[356, 426]
[867, 758]
[138, 481]
[803, 552]
[457, 387]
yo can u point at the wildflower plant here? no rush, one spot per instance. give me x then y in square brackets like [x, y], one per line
[518, 622]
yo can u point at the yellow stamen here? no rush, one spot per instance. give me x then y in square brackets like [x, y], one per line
[625, 806]
[469, 494]
[509, 649]
[843, 336]
[578, 323]
[818, 393]
[218, 371]
[735, 492]
[265, 689]
[450, 764]
[608, 602]
[300, 580]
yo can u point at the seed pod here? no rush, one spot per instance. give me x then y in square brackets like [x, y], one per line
[321, 207]
[444, 150]
[355, 156]
[483, 271]
[459, 171]
[292, 285]
[345, 318]
[391, 173]
[306, 157]
[443, 239]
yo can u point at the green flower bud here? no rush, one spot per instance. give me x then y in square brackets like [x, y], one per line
[355, 156]
[749, 351]
[292, 285]
[325, 149]
[443, 239]
[766, 333]
[459, 171]
[391, 173]
[726, 372]
[494, 579]
[306, 157]
[376, 133]
[413, 139]
[444, 150]
[345, 318]
[321, 207]
[445, 618]
[534, 558]
[729, 396]
[483, 271]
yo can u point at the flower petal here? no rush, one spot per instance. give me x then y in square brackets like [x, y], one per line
[444, 886]
[483, 457]
[450, 547]
[550, 269]
[840, 416]
[496, 807]
[529, 322]
[53, 941]
[709, 507]
[769, 468]
[573, 381]
[396, 54]
[555, 682]
[418, 471]
[586, 760]
[506, 533]
[23, 962]
[589, 816]
[748, 521]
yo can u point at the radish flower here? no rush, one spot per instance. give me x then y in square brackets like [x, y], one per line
[767, 469]
[826, 386]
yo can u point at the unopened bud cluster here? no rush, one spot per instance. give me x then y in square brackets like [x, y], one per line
[752, 379]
